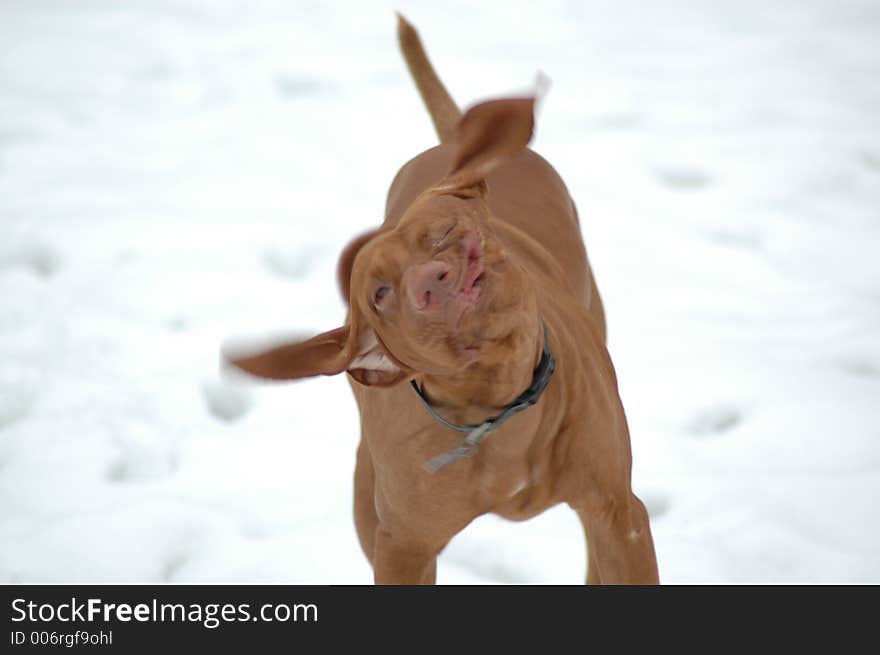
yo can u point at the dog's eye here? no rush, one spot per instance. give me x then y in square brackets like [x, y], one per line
[441, 239]
[380, 295]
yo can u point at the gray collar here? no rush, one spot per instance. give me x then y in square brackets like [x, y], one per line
[477, 433]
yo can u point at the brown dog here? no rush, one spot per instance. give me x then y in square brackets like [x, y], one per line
[473, 289]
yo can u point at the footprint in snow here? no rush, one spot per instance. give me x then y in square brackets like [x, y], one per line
[18, 390]
[39, 258]
[142, 466]
[18, 136]
[291, 86]
[144, 453]
[14, 406]
[293, 263]
[734, 238]
[870, 160]
[172, 566]
[681, 177]
[177, 323]
[226, 400]
[657, 503]
[712, 421]
[863, 368]
[618, 121]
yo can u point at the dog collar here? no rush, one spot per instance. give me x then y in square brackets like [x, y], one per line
[477, 433]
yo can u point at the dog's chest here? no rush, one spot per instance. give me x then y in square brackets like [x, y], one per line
[521, 501]
[517, 494]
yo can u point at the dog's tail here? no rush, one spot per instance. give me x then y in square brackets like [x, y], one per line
[442, 108]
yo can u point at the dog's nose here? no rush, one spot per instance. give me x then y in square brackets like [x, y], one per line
[430, 285]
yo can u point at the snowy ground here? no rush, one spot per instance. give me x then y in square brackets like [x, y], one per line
[174, 173]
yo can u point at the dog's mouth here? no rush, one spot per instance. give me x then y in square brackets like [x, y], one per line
[470, 334]
[474, 271]
[471, 284]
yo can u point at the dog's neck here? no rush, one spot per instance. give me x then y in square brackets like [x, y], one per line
[492, 382]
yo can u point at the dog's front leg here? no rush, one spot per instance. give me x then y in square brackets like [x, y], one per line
[400, 560]
[621, 549]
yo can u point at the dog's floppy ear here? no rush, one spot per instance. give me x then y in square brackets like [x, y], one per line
[372, 366]
[487, 135]
[347, 348]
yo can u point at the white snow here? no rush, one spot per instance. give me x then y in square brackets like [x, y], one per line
[176, 173]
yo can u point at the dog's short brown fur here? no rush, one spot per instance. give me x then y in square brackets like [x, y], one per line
[480, 244]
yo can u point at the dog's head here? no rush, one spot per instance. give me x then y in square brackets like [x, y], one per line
[437, 293]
